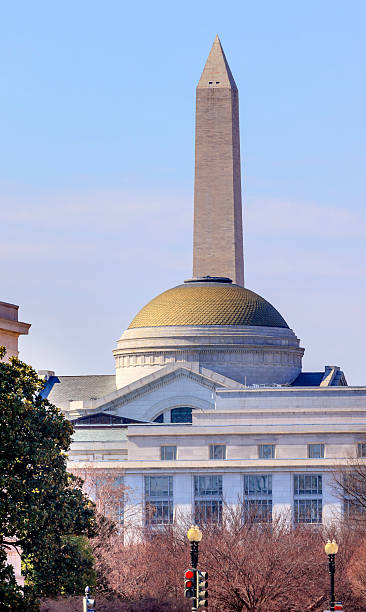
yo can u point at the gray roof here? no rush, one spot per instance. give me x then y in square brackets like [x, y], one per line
[82, 388]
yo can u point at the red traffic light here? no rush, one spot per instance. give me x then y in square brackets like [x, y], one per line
[189, 574]
[189, 584]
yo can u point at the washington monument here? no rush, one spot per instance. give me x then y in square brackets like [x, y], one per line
[218, 230]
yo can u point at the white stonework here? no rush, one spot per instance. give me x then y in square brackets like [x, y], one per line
[242, 419]
[246, 354]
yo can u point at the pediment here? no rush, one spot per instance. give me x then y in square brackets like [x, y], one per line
[164, 378]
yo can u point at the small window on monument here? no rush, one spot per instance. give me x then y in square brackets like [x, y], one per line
[210, 82]
[217, 82]
[159, 419]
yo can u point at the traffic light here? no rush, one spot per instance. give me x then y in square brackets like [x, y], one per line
[88, 603]
[201, 589]
[189, 583]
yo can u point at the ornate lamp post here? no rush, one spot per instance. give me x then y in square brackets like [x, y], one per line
[194, 535]
[331, 549]
[195, 581]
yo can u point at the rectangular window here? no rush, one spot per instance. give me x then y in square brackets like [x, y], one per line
[354, 496]
[266, 451]
[361, 450]
[207, 486]
[218, 451]
[308, 498]
[315, 451]
[158, 500]
[208, 499]
[258, 498]
[168, 453]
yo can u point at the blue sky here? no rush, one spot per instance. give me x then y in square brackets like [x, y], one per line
[96, 166]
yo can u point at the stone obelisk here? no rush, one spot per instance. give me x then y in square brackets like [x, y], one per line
[218, 229]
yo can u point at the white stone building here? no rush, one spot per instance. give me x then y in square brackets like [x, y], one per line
[209, 404]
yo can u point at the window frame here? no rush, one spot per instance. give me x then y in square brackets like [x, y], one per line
[212, 448]
[163, 452]
[164, 503]
[322, 448]
[176, 410]
[260, 501]
[206, 498]
[361, 450]
[260, 451]
[308, 492]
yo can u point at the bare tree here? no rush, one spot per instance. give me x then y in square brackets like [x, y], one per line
[350, 486]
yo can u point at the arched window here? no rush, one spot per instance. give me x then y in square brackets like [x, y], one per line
[183, 414]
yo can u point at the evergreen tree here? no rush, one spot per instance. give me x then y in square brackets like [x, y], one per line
[42, 507]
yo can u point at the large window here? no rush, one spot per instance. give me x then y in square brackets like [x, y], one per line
[181, 415]
[258, 498]
[208, 499]
[158, 500]
[308, 498]
[218, 451]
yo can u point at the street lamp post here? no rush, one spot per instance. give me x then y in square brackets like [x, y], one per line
[331, 549]
[194, 535]
[195, 580]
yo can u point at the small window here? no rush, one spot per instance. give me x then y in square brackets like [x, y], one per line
[218, 451]
[217, 82]
[168, 453]
[266, 451]
[315, 451]
[361, 450]
[181, 415]
[210, 82]
[159, 419]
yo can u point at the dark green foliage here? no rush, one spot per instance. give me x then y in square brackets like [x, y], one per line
[42, 506]
[68, 572]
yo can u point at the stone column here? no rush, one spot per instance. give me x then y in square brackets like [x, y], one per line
[332, 504]
[134, 510]
[282, 496]
[183, 498]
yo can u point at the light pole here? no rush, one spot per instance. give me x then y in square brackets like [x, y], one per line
[195, 581]
[194, 535]
[331, 549]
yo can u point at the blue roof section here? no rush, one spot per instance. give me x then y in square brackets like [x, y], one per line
[52, 380]
[308, 379]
